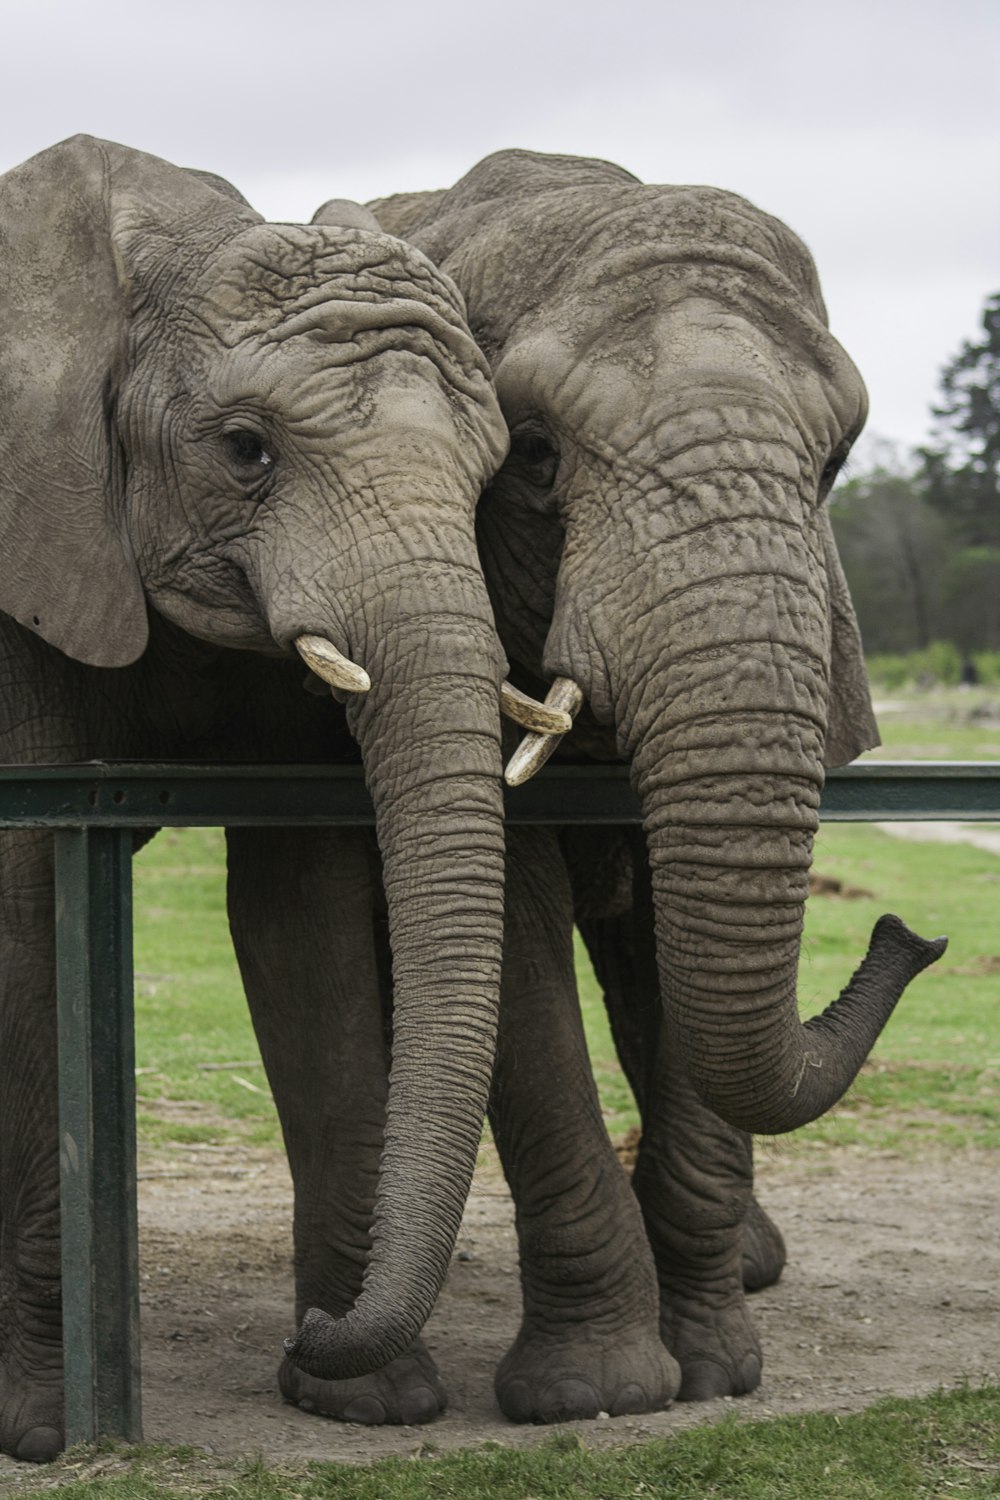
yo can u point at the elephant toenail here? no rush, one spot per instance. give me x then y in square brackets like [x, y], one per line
[630, 1399]
[569, 1401]
[515, 1401]
[366, 1409]
[418, 1405]
[39, 1445]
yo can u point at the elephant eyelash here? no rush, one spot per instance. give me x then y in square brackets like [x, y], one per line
[837, 466]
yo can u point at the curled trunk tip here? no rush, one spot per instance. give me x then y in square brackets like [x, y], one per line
[893, 931]
[820, 1059]
[341, 1348]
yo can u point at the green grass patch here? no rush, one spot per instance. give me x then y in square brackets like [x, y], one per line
[943, 1445]
[934, 1078]
[194, 1040]
[939, 724]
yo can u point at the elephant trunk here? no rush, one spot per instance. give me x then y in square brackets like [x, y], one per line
[721, 705]
[430, 740]
[729, 902]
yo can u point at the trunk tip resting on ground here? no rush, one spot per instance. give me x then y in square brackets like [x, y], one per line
[341, 1348]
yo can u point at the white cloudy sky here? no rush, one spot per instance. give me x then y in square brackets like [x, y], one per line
[871, 126]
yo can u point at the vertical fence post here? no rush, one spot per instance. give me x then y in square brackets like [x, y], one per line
[100, 1273]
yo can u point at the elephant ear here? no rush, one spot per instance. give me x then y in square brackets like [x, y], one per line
[403, 212]
[67, 217]
[220, 184]
[851, 727]
[344, 213]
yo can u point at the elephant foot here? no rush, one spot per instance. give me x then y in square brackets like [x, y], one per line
[714, 1342]
[403, 1393]
[764, 1251]
[568, 1377]
[31, 1416]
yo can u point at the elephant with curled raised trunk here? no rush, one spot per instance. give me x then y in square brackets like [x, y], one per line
[657, 544]
[227, 446]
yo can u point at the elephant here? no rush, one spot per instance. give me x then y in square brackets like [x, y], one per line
[657, 547]
[232, 451]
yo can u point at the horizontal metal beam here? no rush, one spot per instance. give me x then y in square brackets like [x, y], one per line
[104, 794]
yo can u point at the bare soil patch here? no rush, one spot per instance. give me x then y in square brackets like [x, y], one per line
[892, 1287]
[983, 836]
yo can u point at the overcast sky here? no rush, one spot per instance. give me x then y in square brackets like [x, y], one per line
[872, 127]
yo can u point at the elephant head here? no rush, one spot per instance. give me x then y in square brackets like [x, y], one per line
[275, 436]
[658, 536]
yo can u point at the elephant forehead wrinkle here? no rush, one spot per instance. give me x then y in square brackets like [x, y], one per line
[269, 268]
[649, 226]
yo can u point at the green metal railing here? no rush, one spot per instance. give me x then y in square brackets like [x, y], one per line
[93, 810]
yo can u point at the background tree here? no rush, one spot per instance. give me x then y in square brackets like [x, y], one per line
[970, 599]
[961, 465]
[894, 547]
[920, 540]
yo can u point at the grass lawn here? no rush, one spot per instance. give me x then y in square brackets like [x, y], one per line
[940, 724]
[943, 1445]
[934, 1077]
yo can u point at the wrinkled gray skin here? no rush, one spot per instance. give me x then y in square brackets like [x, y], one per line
[217, 434]
[678, 412]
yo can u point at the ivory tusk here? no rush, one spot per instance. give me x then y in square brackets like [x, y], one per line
[541, 718]
[327, 662]
[535, 749]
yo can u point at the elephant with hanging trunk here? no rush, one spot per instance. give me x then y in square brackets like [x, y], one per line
[228, 448]
[656, 545]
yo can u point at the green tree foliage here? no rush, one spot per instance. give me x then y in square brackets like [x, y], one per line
[961, 466]
[920, 542]
[893, 546]
[970, 599]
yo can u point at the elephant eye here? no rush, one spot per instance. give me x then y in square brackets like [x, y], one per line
[246, 452]
[534, 454]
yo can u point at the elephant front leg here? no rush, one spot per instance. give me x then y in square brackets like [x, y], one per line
[622, 952]
[764, 1252]
[694, 1180]
[31, 1366]
[589, 1339]
[710, 1239]
[301, 909]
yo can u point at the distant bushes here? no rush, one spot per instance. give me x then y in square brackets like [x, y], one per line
[940, 664]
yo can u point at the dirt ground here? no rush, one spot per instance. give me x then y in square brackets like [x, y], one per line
[892, 1286]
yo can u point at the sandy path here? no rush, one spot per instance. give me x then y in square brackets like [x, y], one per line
[891, 1287]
